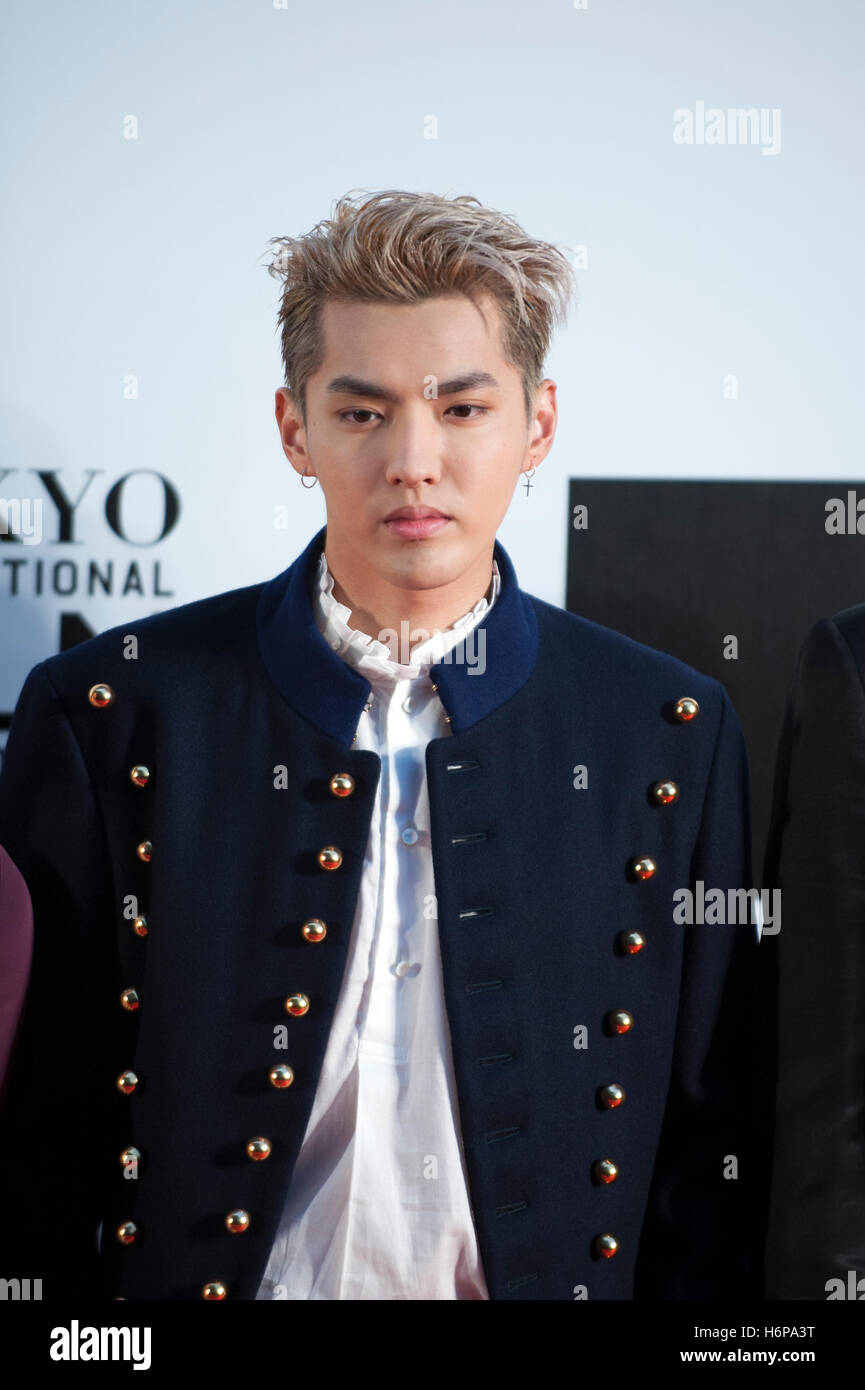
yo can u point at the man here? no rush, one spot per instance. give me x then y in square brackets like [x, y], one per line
[356, 970]
[816, 856]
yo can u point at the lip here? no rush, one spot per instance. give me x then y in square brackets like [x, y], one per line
[415, 523]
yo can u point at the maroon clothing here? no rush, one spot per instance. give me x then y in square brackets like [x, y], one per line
[16, 951]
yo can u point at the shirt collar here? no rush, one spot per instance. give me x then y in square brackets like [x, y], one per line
[372, 657]
[486, 666]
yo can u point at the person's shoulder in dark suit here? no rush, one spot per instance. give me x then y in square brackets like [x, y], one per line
[816, 856]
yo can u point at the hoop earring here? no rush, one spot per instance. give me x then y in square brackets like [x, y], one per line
[314, 477]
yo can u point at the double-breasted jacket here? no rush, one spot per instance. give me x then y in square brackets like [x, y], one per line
[167, 793]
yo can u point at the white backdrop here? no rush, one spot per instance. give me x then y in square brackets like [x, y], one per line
[721, 295]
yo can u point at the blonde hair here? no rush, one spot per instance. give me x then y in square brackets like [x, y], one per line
[398, 247]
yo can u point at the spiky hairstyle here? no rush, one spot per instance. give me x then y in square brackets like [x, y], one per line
[397, 247]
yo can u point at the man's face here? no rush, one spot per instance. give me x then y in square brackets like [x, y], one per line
[414, 406]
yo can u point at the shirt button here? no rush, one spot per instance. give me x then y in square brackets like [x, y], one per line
[408, 704]
[409, 835]
[404, 967]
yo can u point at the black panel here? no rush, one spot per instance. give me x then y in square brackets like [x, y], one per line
[679, 565]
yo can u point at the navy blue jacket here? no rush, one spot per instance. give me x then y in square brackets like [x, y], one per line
[545, 926]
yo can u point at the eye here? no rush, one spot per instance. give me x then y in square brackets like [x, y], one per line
[358, 410]
[352, 416]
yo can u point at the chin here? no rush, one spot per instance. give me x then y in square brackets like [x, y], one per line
[429, 566]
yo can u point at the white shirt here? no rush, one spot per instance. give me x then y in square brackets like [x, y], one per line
[378, 1204]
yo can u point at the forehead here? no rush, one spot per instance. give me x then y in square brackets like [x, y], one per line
[357, 335]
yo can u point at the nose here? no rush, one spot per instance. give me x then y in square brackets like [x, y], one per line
[414, 449]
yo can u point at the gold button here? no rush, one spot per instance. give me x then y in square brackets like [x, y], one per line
[604, 1171]
[145, 851]
[100, 695]
[127, 1234]
[631, 942]
[126, 1082]
[130, 1001]
[259, 1149]
[237, 1221]
[686, 709]
[665, 792]
[342, 784]
[140, 775]
[611, 1096]
[297, 1005]
[140, 927]
[314, 929]
[643, 868]
[330, 857]
[130, 1156]
[215, 1291]
[604, 1247]
[280, 1076]
[619, 1021]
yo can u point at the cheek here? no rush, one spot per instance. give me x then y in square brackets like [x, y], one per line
[497, 466]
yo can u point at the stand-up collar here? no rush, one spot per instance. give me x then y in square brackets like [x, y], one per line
[484, 669]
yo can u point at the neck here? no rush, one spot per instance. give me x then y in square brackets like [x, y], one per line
[380, 606]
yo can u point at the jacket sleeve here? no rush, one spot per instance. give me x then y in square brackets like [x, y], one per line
[55, 1150]
[816, 855]
[698, 1230]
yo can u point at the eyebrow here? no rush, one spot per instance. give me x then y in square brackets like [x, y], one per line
[356, 386]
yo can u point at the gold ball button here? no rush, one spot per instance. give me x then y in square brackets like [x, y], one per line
[643, 868]
[604, 1247]
[330, 857]
[611, 1096]
[130, 1001]
[127, 1234]
[130, 1156]
[686, 709]
[126, 1082]
[619, 1021]
[314, 929]
[342, 784]
[297, 1005]
[280, 1076]
[604, 1171]
[665, 793]
[145, 851]
[259, 1149]
[140, 775]
[237, 1221]
[631, 942]
[140, 927]
[100, 695]
[214, 1292]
